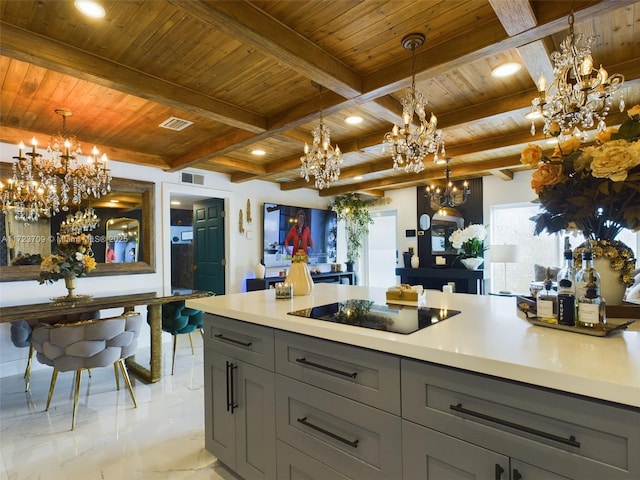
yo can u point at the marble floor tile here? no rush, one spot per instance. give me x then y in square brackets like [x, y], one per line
[161, 439]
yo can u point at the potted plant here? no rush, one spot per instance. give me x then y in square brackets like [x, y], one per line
[355, 212]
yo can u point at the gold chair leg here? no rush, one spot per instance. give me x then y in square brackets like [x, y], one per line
[115, 370]
[54, 376]
[175, 348]
[127, 380]
[27, 372]
[193, 352]
[76, 394]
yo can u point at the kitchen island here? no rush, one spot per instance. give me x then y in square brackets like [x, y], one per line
[504, 395]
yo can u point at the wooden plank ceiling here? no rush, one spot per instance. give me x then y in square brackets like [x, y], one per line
[242, 73]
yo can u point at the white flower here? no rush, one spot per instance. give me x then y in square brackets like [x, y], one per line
[472, 232]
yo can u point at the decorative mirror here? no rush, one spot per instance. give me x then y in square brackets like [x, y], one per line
[425, 221]
[443, 224]
[131, 199]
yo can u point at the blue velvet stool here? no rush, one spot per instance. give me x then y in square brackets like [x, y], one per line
[177, 319]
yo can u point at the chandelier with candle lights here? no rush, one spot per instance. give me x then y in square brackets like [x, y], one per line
[80, 222]
[450, 196]
[410, 144]
[580, 95]
[42, 185]
[321, 160]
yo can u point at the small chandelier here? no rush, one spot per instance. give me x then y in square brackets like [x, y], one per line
[321, 159]
[42, 186]
[451, 196]
[83, 221]
[409, 144]
[579, 95]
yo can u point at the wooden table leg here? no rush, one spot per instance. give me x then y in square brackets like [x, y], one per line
[154, 374]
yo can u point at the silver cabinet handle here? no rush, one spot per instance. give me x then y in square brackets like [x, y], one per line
[571, 441]
[304, 361]
[351, 443]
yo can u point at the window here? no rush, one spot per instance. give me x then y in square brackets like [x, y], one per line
[510, 224]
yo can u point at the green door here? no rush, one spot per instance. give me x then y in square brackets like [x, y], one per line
[208, 230]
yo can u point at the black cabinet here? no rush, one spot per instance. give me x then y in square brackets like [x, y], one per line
[328, 277]
[467, 281]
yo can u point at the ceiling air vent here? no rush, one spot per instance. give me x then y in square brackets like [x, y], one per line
[192, 178]
[175, 123]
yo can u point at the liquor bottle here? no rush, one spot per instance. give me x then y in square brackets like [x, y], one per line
[567, 288]
[547, 302]
[586, 274]
[591, 308]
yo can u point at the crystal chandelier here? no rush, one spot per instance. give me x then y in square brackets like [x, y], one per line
[409, 144]
[321, 159]
[580, 95]
[83, 221]
[42, 186]
[450, 196]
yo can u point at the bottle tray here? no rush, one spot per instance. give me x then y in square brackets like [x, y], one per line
[527, 305]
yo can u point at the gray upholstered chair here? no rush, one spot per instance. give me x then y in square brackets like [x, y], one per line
[87, 344]
[21, 338]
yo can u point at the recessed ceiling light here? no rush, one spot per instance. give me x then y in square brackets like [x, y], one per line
[259, 153]
[506, 69]
[353, 120]
[90, 8]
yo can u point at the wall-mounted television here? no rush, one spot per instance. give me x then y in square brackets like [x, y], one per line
[282, 234]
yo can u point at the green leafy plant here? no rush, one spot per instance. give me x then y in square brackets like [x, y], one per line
[355, 212]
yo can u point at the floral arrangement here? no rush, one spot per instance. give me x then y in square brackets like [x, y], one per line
[594, 189]
[470, 241]
[73, 258]
[299, 257]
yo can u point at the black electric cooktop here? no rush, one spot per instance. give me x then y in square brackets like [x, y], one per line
[365, 313]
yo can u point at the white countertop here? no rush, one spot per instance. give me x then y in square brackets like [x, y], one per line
[489, 337]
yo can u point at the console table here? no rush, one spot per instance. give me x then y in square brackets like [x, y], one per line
[266, 283]
[36, 313]
[467, 281]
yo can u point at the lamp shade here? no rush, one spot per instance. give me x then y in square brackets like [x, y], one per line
[504, 253]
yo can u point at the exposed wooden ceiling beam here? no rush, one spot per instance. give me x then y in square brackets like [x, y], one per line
[48, 53]
[254, 27]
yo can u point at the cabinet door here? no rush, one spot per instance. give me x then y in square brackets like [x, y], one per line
[220, 430]
[254, 393]
[430, 455]
[524, 471]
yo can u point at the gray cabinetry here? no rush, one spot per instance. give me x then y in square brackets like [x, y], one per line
[541, 432]
[329, 404]
[240, 396]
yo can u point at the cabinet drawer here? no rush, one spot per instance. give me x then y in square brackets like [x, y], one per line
[244, 341]
[369, 377]
[295, 465]
[357, 440]
[524, 422]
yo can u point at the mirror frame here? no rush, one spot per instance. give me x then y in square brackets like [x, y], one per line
[147, 264]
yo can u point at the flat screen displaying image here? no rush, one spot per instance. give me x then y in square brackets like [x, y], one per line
[288, 229]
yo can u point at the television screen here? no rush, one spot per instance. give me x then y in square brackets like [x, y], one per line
[288, 229]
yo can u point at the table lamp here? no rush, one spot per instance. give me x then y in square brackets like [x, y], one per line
[504, 254]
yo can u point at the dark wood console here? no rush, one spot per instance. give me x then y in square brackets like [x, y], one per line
[467, 281]
[327, 277]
